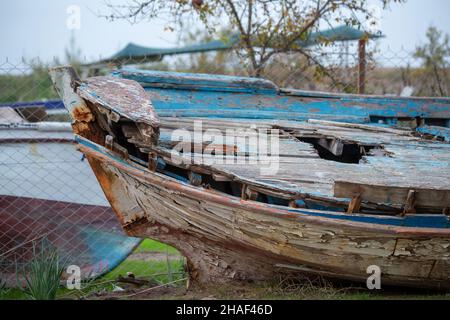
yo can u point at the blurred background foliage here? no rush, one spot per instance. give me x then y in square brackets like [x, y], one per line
[426, 70]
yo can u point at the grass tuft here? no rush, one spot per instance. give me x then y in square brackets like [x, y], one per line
[43, 275]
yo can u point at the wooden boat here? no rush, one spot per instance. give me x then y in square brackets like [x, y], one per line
[41, 199]
[351, 190]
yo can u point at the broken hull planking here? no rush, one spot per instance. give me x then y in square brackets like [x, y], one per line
[258, 241]
[225, 237]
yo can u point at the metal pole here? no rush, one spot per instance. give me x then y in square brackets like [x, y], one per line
[362, 66]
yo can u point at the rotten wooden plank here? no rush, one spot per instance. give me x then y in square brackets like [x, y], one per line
[410, 202]
[355, 204]
[118, 98]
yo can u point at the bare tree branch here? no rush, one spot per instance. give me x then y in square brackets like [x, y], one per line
[266, 27]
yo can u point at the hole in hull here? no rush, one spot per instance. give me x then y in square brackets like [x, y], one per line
[335, 150]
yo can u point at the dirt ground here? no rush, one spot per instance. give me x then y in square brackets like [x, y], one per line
[308, 288]
[125, 285]
[279, 289]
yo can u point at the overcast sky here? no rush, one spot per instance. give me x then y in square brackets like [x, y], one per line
[31, 28]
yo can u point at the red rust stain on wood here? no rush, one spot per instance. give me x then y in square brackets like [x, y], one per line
[82, 114]
[106, 181]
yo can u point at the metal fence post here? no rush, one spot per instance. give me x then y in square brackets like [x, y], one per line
[362, 66]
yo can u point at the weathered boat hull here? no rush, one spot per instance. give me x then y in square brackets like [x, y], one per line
[228, 235]
[85, 235]
[225, 238]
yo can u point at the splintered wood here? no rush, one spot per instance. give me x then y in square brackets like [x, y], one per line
[247, 200]
[400, 171]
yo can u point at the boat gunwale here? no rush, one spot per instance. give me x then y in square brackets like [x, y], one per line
[102, 154]
[195, 83]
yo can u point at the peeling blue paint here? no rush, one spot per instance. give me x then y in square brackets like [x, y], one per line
[208, 82]
[190, 95]
[216, 96]
[436, 131]
[418, 221]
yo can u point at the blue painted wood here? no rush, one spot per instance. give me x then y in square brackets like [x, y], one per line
[160, 164]
[418, 221]
[208, 82]
[175, 176]
[436, 131]
[315, 206]
[216, 96]
[366, 97]
[258, 106]
[48, 104]
[188, 95]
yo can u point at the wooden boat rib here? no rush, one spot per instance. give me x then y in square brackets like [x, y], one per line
[346, 196]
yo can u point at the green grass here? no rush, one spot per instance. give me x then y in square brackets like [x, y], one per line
[159, 271]
[27, 87]
[156, 270]
[162, 271]
[13, 294]
[44, 273]
[149, 245]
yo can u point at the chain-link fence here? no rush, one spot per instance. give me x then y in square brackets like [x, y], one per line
[333, 68]
[49, 194]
